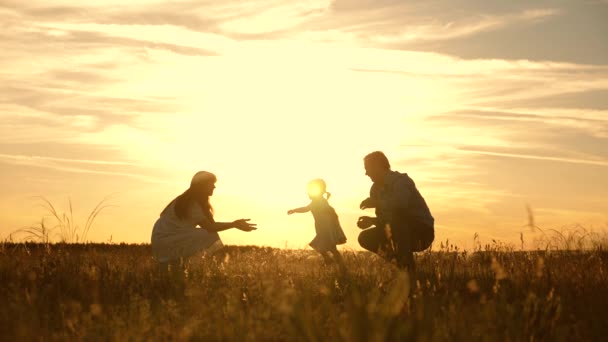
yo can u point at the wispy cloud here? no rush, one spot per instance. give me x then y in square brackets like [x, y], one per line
[513, 154]
[47, 39]
[98, 167]
[588, 120]
[36, 158]
[474, 29]
[417, 25]
[437, 30]
[586, 100]
[572, 137]
[387, 22]
[69, 107]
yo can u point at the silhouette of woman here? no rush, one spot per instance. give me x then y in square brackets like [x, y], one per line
[175, 235]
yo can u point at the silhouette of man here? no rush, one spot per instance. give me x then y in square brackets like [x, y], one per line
[403, 223]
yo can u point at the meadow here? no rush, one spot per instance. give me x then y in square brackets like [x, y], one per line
[61, 291]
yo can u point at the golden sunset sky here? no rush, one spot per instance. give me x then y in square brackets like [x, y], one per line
[488, 105]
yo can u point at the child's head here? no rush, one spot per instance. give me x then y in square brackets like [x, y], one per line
[316, 188]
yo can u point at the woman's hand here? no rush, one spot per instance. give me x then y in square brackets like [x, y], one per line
[290, 211]
[243, 225]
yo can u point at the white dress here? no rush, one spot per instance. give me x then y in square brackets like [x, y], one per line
[173, 238]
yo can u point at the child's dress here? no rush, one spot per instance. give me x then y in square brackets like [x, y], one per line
[327, 226]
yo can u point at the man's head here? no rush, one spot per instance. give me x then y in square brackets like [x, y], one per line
[376, 166]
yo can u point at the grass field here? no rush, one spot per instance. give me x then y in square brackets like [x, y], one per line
[116, 292]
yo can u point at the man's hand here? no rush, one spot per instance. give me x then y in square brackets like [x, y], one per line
[365, 222]
[367, 203]
[243, 225]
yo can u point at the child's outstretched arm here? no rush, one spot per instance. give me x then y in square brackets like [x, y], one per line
[299, 210]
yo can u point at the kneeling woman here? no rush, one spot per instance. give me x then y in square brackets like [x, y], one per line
[175, 235]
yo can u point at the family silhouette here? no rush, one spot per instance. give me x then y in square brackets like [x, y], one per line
[403, 223]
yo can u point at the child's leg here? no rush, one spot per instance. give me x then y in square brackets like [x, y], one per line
[337, 256]
[339, 260]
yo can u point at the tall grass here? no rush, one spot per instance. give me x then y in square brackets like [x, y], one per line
[494, 292]
[116, 292]
[64, 226]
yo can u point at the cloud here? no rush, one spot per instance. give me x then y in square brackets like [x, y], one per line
[545, 118]
[388, 21]
[561, 133]
[551, 159]
[83, 166]
[572, 34]
[62, 151]
[49, 41]
[499, 85]
[596, 99]
[514, 153]
[475, 29]
[494, 183]
[558, 182]
[67, 106]
[238, 20]
[468, 28]
[66, 157]
[183, 14]
[436, 30]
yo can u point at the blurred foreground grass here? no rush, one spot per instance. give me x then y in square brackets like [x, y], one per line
[115, 292]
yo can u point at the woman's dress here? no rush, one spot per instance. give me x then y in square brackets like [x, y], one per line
[174, 238]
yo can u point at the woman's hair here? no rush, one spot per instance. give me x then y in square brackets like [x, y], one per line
[196, 193]
[317, 186]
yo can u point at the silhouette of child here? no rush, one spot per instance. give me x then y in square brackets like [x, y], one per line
[327, 225]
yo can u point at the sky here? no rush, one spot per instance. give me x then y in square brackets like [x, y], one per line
[490, 106]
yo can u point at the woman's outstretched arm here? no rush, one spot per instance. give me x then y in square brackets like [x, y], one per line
[241, 224]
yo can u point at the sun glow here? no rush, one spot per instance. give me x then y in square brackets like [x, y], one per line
[314, 190]
[267, 118]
